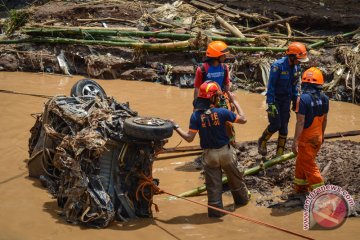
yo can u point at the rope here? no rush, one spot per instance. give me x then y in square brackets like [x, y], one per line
[147, 181]
[242, 217]
[27, 94]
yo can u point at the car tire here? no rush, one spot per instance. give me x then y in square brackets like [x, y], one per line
[148, 128]
[87, 87]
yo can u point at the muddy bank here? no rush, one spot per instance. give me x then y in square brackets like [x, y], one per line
[249, 70]
[321, 14]
[337, 161]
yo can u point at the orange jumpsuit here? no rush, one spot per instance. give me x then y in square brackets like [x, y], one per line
[307, 173]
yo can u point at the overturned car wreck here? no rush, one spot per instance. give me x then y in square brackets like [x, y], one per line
[95, 156]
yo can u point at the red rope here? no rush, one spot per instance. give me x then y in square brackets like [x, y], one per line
[242, 217]
[147, 181]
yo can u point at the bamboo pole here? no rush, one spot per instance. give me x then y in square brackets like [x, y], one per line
[110, 32]
[108, 19]
[247, 172]
[322, 42]
[82, 28]
[183, 45]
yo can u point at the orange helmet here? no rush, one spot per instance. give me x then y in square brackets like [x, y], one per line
[313, 75]
[209, 89]
[216, 49]
[299, 50]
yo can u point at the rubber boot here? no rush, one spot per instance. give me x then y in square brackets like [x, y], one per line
[281, 145]
[241, 198]
[212, 213]
[262, 148]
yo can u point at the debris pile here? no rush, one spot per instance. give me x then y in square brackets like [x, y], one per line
[337, 161]
[165, 42]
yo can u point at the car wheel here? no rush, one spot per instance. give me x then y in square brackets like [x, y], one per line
[87, 87]
[148, 128]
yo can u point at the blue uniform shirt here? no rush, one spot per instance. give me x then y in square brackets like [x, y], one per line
[283, 81]
[211, 127]
[312, 104]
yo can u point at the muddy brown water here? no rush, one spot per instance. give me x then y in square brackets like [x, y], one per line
[28, 212]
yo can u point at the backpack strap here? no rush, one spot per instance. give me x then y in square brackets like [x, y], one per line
[203, 73]
[226, 71]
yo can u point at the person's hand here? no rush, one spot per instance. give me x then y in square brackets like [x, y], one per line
[294, 147]
[175, 125]
[272, 110]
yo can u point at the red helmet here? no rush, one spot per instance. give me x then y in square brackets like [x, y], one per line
[299, 50]
[216, 49]
[313, 75]
[209, 89]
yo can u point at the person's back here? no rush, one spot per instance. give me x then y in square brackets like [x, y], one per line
[312, 104]
[218, 154]
[211, 125]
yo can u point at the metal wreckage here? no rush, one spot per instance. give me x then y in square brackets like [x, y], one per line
[95, 155]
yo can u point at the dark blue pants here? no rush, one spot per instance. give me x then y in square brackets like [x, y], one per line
[281, 121]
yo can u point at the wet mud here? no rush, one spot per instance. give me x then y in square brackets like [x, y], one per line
[337, 160]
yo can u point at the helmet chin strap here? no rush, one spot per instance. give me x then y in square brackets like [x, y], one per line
[292, 59]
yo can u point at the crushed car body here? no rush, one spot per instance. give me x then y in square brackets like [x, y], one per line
[95, 155]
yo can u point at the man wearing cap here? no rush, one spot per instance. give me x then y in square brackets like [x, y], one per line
[282, 88]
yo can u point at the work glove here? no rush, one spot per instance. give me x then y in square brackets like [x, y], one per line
[272, 110]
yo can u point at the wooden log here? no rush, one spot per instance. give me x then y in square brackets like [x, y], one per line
[269, 24]
[234, 30]
[181, 149]
[197, 147]
[256, 17]
[257, 49]
[248, 172]
[179, 155]
[289, 38]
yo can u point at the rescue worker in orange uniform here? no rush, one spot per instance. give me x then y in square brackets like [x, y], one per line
[214, 69]
[210, 123]
[311, 117]
[281, 90]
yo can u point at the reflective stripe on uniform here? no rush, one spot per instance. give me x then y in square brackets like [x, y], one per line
[299, 181]
[313, 186]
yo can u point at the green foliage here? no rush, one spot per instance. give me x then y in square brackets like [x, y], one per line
[17, 19]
